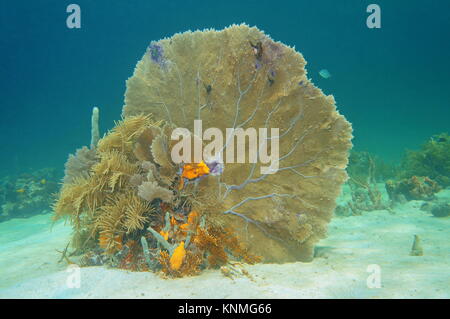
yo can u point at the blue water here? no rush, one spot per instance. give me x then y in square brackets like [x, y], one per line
[391, 83]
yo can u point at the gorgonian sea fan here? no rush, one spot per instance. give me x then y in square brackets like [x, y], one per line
[240, 78]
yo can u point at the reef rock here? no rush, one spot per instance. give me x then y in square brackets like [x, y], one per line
[432, 160]
[438, 208]
[27, 194]
[414, 188]
[441, 210]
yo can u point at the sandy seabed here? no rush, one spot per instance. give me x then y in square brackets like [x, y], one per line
[29, 265]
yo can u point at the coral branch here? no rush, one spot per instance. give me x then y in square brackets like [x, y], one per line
[95, 131]
[161, 240]
[146, 252]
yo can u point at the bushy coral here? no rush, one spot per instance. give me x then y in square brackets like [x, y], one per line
[364, 167]
[125, 196]
[431, 160]
[365, 171]
[210, 247]
[103, 193]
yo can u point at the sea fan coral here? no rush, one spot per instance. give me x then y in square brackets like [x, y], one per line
[79, 165]
[240, 78]
[150, 191]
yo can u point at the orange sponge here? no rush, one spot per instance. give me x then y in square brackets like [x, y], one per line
[177, 257]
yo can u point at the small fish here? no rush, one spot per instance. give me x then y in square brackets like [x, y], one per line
[43, 181]
[21, 190]
[325, 73]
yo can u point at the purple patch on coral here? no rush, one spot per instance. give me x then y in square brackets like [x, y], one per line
[156, 53]
[215, 167]
[272, 51]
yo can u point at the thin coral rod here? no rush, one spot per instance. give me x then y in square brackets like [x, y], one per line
[257, 198]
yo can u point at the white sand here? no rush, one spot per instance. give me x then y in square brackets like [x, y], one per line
[29, 268]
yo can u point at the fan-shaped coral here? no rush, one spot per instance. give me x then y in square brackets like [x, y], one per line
[240, 78]
[79, 164]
